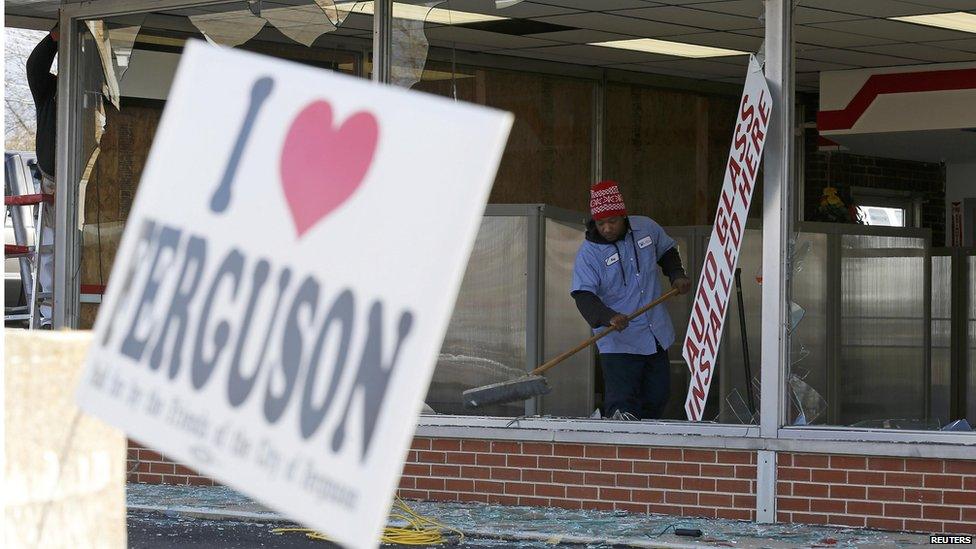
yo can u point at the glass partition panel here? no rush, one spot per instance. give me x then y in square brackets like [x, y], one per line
[970, 346]
[941, 335]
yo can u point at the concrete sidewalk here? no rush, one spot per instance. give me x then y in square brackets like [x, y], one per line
[537, 527]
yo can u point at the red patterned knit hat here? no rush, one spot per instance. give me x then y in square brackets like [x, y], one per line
[606, 200]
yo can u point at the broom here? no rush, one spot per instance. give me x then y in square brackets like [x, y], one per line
[533, 384]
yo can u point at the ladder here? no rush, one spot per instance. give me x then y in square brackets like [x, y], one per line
[23, 201]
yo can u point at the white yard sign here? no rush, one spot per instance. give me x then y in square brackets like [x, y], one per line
[286, 279]
[707, 320]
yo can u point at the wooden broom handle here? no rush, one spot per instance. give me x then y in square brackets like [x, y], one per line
[670, 293]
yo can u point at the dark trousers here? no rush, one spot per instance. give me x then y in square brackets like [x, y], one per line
[639, 384]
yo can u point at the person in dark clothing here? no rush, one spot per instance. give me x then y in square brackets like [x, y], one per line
[44, 89]
[614, 275]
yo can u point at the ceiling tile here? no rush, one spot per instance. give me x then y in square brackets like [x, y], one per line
[966, 44]
[857, 58]
[596, 55]
[707, 20]
[524, 10]
[946, 5]
[721, 40]
[923, 52]
[599, 5]
[812, 65]
[824, 37]
[581, 36]
[745, 8]
[894, 30]
[872, 8]
[463, 36]
[641, 28]
[804, 15]
[704, 66]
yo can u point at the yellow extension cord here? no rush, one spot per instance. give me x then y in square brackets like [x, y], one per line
[421, 530]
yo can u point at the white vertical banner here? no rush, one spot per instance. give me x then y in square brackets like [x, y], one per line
[714, 287]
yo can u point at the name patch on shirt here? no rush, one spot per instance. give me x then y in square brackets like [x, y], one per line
[613, 259]
[644, 242]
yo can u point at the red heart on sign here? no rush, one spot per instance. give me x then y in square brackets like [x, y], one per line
[321, 165]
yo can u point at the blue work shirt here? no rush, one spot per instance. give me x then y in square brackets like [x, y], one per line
[610, 271]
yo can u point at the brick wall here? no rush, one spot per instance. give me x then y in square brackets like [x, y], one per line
[899, 494]
[924, 495]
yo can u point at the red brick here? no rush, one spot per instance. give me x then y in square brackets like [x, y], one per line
[446, 444]
[505, 473]
[903, 510]
[442, 496]
[413, 494]
[412, 456]
[813, 461]
[784, 488]
[567, 477]
[407, 483]
[459, 485]
[600, 479]
[475, 472]
[695, 511]
[200, 481]
[683, 469]
[491, 459]
[519, 489]
[488, 486]
[718, 471]
[598, 505]
[664, 509]
[426, 483]
[886, 464]
[614, 494]
[925, 465]
[715, 500]
[547, 462]
[432, 457]
[535, 502]
[162, 468]
[593, 451]
[505, 447]
[663, 481]
[950, 482]
[516, 460]
[969, 483]
[735, 457]
[903, 479]
[475, 445]
[631, 507]
[732, 486]
[865, 508]
[961, 467]
[473, 498]
[650, 467]
[666, 454]
[940, 512]
[581, 492]
[420, 444]
[784, 460]
[809, 518]
[681, 498]
[617, 465]
[461, 458]
[846, 520]
[924, 526]
[744, 502]
[868, 478]
[632, 481]
[416, 469]
[959, 528]
[537, 448]
[184, 470]
[633, 452]
[537, 475]
[886, 494]
[783, 516]
[958, 498]
[889, 524]
[566, 503]
[969, 515]
[580, 464]
[827, 475]
[698, 484]
[791, 473]
[848, 492]
[700, 456]
[793, 504]
[745, 471]
[810, 490]
[499, 499]
[452, 471]
[647, 496]
[848, 462]
[734, 514]
[913, 495]
[550, 490]
[827, 506]
[571, 450]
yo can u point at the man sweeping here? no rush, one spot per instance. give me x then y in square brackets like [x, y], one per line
[616, 274]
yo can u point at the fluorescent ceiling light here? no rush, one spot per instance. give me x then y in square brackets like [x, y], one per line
[421, 13]
[956, 20]
[664, 47]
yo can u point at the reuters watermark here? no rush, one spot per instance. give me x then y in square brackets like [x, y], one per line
[950, 540]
